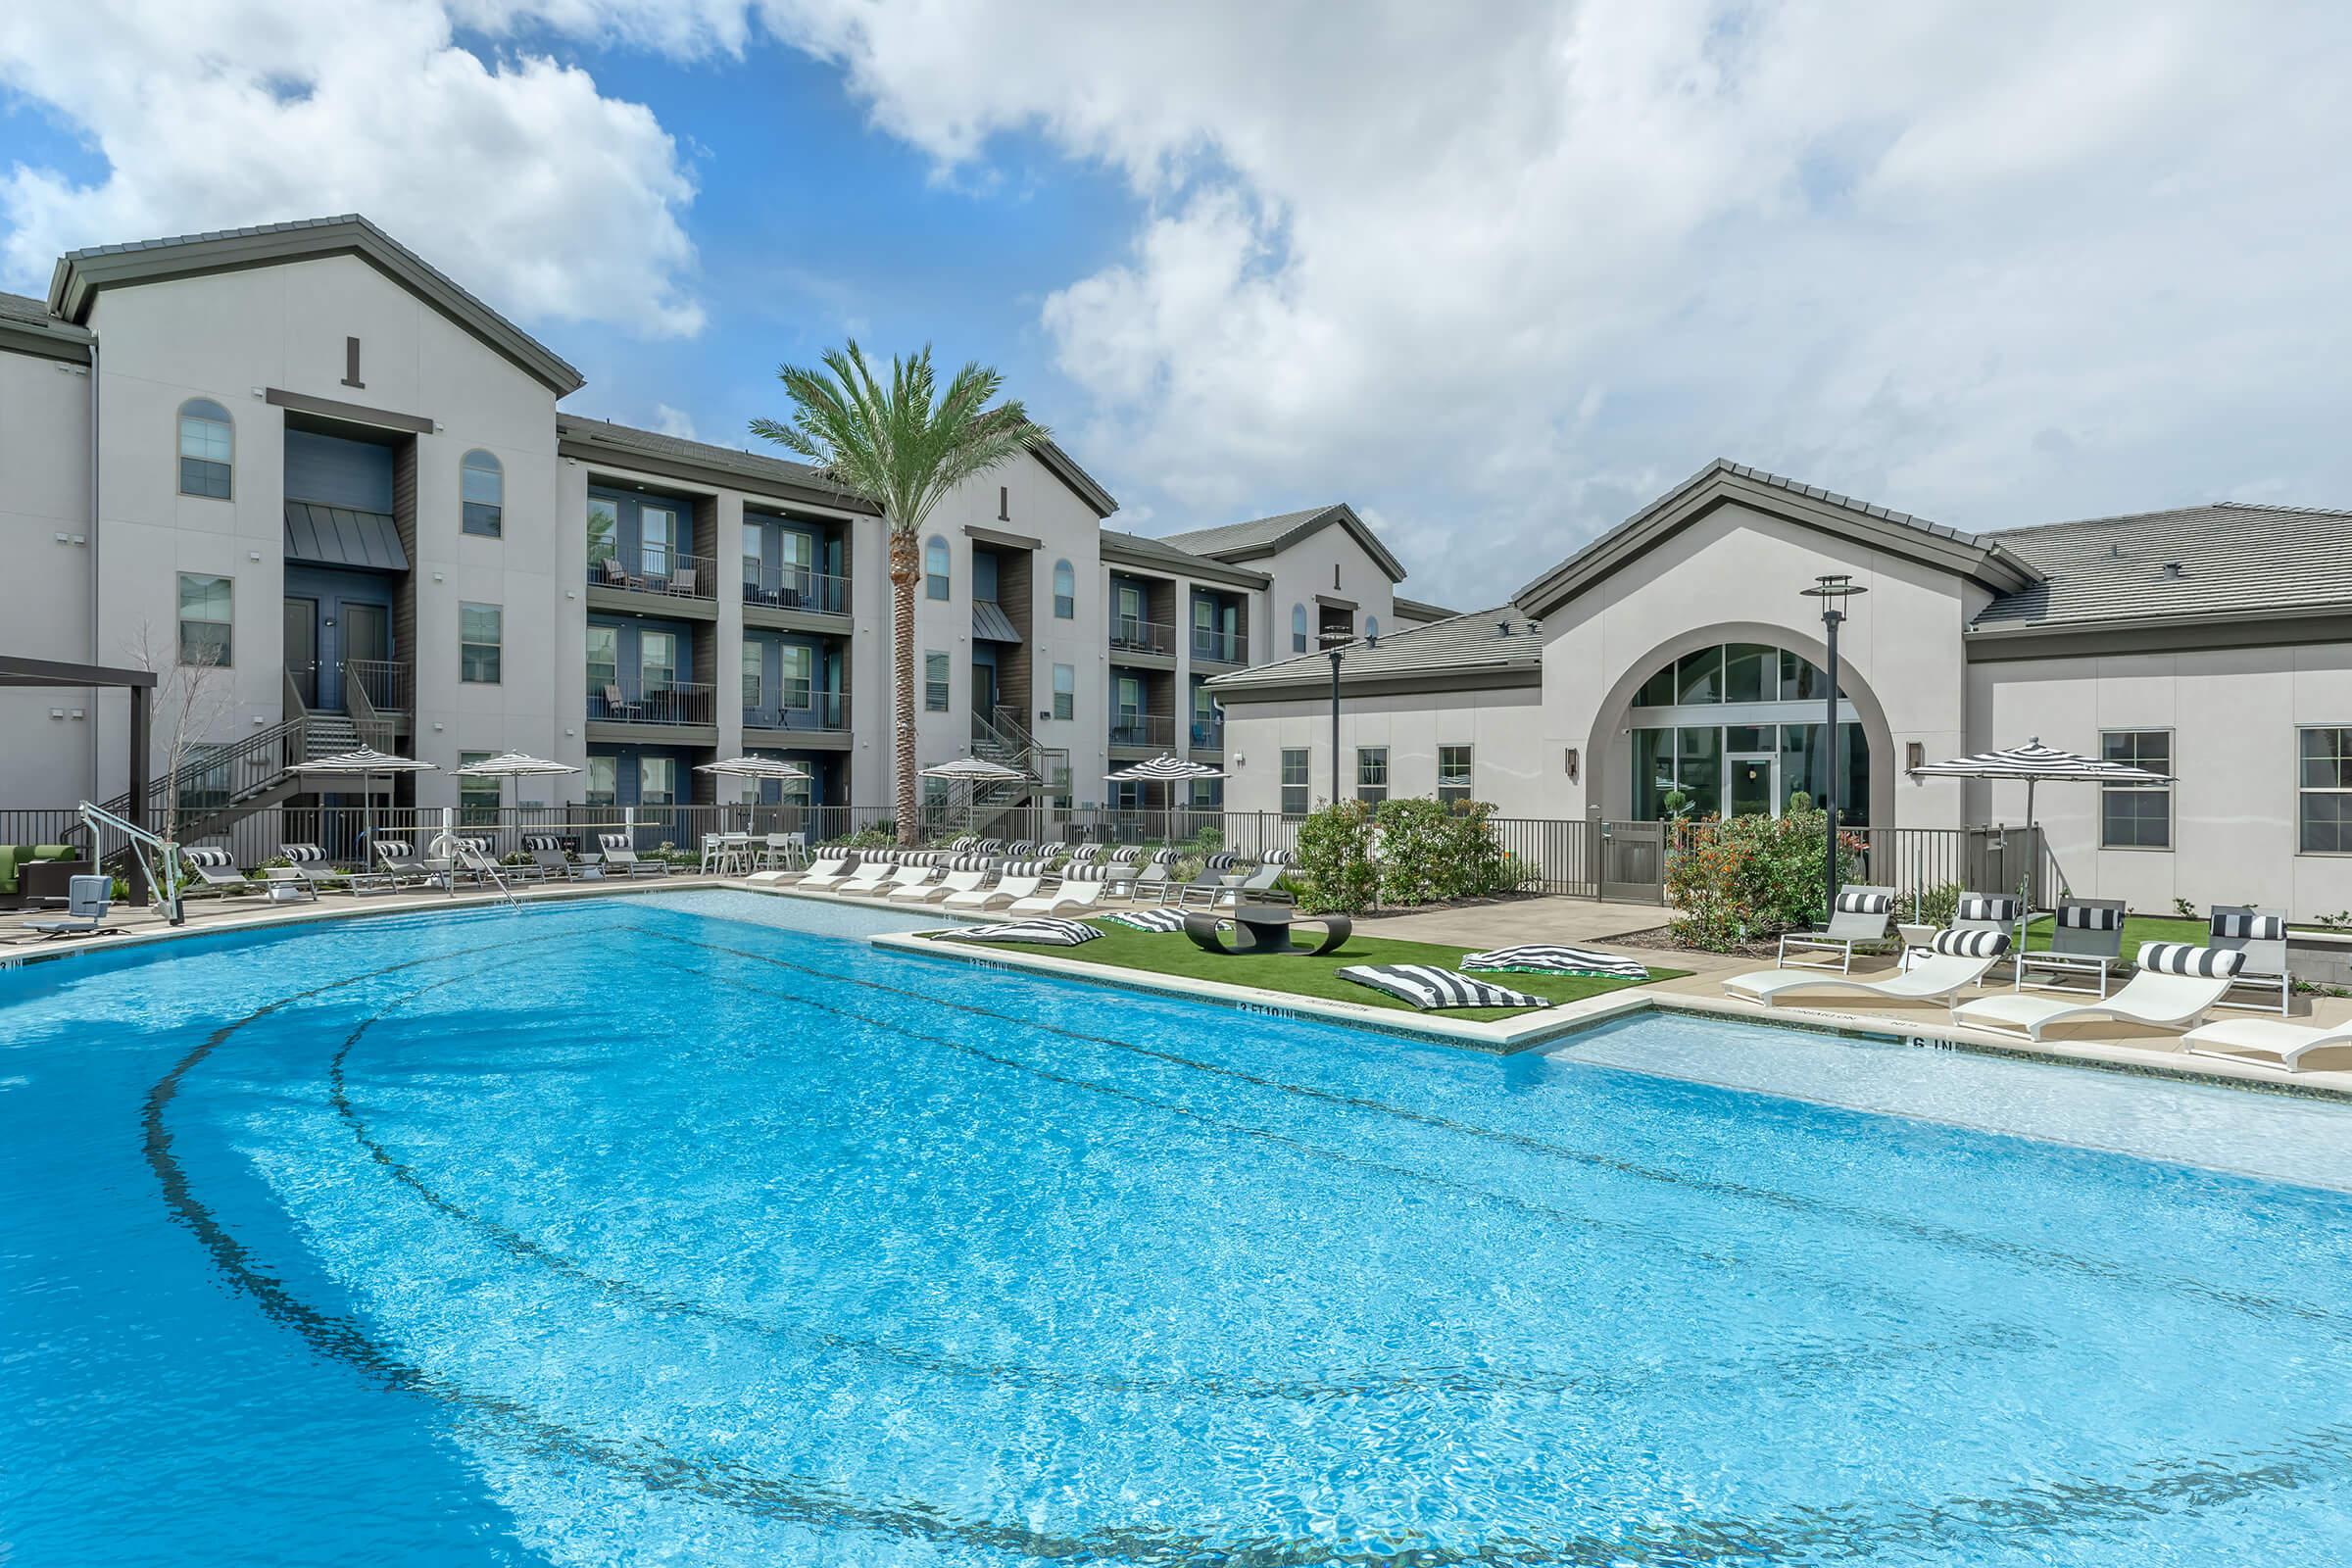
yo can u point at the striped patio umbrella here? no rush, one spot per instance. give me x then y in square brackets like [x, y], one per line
[515, 765]
[975, 771]
[365, 765]
[1164, 769]
[2034, 763]
[762, 767]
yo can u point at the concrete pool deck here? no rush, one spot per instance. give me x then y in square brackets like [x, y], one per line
[1580, 922]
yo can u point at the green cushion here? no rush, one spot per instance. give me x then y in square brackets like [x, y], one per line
[52, 852]
[8, 868]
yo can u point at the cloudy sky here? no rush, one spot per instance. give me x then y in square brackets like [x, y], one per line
[1497, 274]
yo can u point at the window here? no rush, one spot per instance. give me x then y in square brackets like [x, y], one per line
[1453, 773]
[658, 660]
[755, 669]
[1372, 631]
[604, 781]
[481, 630]
[656, 781]
[796, 559]
[796, 686]
[479, 799]
[935, 568]
[604, 659]
[2136, 816]
[206, 610]
[1065, 692]
[1371, 774]
[754, 567]
[1294, 800]
[1298, 629]
[482, 492]
[657, 539]
[208, 445]
[604, 530]
[1065, 592]
[935, 683]
[2324, 797]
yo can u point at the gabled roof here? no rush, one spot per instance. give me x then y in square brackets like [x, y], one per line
[1134, 549]
[700, 461]
[80, 277]
[1264, 536]
[1421, 610]
[28, 327]
[1498, 647]
[2229, 560]
[1983, 557]
[1082, 484]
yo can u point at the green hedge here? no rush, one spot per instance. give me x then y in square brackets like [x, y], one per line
[1406, 852]
[1750, 878]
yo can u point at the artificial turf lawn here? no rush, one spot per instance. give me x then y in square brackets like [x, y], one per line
[2137, 928]
[1171, 953]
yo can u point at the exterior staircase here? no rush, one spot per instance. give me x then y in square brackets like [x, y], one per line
[221, 785]
[1002, 738]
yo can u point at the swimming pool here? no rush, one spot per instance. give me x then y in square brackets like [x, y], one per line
[689, 1229]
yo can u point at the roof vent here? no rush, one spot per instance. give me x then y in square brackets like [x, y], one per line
[1502, 628]
[2172, 569]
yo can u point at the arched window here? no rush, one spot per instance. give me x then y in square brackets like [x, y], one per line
[1735, 729]
[208, 448]
[935, 567]
[1297, 628]
[482, 494]
[1371, 627]
[1065, 592]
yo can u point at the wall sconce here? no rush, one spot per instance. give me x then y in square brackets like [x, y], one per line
[1572, 764]
[1915, 756]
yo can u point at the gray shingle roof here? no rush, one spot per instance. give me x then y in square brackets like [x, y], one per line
[1422, 609]
[753, 465]
[1120, 546]
[23, 307]
[1465, 644]
[2221, 561]
[1264, 535]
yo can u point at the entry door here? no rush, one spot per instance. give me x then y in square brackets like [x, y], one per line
[368, 639]
[984, 693]
[302, 647]
[1632, 861]
[1752, 785]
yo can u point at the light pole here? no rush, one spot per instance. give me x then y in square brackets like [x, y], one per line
[1833, 590]
[1336, 648]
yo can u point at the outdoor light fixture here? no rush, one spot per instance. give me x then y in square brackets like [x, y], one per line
[1833, 590]
[1571, 764]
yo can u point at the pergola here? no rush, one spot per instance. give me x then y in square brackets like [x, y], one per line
[140, 683]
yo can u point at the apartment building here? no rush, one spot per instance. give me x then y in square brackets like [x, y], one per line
[302, 462]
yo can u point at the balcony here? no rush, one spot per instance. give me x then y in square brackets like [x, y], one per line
[811, 593]
[800, 711]
[654, 571]
[1219, 647]
[672, 704]
[1208, 735]
[1132, 636]
[1143, 730]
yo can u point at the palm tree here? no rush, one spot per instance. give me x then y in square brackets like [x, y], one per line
[903, 445]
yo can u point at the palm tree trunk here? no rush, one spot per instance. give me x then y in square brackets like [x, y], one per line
[902, 575]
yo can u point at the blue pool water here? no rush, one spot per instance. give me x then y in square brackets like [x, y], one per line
[656, 1230]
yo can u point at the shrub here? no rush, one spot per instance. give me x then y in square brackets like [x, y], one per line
[1430, 850]
[1938, 904]
[1748, 878]
[1335, 872]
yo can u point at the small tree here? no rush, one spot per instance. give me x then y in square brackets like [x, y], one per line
[1744, 879]
[185, 710]
[1335, 872]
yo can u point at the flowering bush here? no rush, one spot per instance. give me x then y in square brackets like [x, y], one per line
[1431, 850]
[1748, 878]
[1335, 873]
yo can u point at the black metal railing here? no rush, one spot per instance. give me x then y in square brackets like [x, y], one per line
[633, 700]
[822, 711]
[813, 593]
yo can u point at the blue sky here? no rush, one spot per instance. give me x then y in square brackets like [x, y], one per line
[1497, 284]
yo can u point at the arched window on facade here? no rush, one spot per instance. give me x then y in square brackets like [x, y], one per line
[207, 449]
[482, 495]
[1735, 729]
[1298, 643]
[935, 567]
[1371, 627]
[1065, 592]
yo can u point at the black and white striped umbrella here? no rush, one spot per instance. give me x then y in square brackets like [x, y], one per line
[976, 771]
[1164, 769]
[514, 764]
[754, 768]
[2035, 762]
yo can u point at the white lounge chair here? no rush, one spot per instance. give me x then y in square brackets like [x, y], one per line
[1862, 914]
[870, 874]
[2176, 986]
[1016, 880]
[1081, 887]
[965, 874]
[917, 871]
[829, 869]
[2261, 935]
[2265, 1041]
[1955, 961]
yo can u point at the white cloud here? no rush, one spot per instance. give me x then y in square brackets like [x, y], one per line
[673, 421]
[1501, 274]
[511, 175]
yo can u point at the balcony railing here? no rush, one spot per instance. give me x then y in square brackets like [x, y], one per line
[1131, 636]
[656, 572]
[629, 700]
[384, 684]
[1221, 647]
[815, 593]
[1143, 729]
[1208, 735]
[812, 710]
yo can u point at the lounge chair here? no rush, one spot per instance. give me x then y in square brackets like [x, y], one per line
[621, 858]
[2261, 935]
[1259, 884]
[1955, 961]
[964, 873]
[216, 868]
[475, 860]
[2176, 986]
[917, 871]
[403, 867]
[1862, 914]
[310, 867]
[2264, 1042]
[2086, 940]
[873, 872]
[1082, 887]
[1015, 880]
[546, 851]
[1990, 911]
[1152, 881]
[87, 899]
[1216, 875]
[829, 870]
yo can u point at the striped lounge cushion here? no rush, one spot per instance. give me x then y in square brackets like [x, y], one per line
[1045, 932]
[2181, 958]
[1222, 860]
[614, 843]
[2244, 925]
[1278, 857]
[1864, 903]
[1163, 857]
[1426, 985]
[966, 842]
[1540, 958]
[1969, 943]
[1151, 919]
[541, 840]
[1021, 849]
[217, 859]
[2091, 918]
[1074, 873]
[304, 854]
[1996, 907]
[1085, 852]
